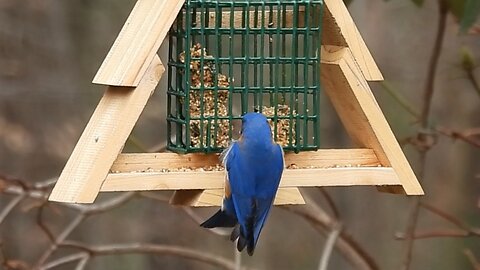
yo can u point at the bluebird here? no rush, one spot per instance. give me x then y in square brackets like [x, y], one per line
[254, 167]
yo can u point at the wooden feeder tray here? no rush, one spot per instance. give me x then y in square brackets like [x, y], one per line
[132, 70]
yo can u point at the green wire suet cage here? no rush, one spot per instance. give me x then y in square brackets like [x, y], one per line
[227, 58]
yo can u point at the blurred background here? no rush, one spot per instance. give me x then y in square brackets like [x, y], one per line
[49, 52]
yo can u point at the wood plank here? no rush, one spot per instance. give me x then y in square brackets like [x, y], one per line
[215, 179]
[214, 197]
[238, 19]
[362, 117]
[320, 158]
[331, 32]
[138, 42]
[150, 20]
[103, 138]
[340, 30]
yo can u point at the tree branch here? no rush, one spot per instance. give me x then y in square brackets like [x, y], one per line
[424, 121]
[82, 215]
[143, 248]
[64, 260]
[473, 260]
[345, 244]
[329, 244]
[10, 206]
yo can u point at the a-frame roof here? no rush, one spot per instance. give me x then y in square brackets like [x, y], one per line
[149, 22]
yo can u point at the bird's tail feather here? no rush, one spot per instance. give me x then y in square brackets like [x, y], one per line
[235, 233]
[220, 219]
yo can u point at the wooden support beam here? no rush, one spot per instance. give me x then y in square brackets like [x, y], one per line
[238, 19]
[103, 139]
[162, 161]
[138, 42]
[213, 197]
[150, 20]
[321, 158]
[215, 179]
[363, 119]
[340, 30]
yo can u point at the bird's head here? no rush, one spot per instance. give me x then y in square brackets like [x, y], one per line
[255, 128]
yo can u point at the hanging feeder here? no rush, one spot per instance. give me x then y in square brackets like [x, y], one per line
[227, 58]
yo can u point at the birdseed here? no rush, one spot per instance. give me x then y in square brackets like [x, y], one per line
[206, 130]
[209, 105]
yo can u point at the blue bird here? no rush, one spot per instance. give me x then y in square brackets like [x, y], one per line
[254, 167]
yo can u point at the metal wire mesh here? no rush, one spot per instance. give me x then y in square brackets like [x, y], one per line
[227, 58]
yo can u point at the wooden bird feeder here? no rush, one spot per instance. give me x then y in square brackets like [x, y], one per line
[227, 58]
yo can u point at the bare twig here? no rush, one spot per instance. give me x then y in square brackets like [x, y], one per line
[109, 204]
[154, 196]
[435, 234]
[401, 100]
[410, 232]
[10, 206]
[82, 263]
[42, 225]
[198, 220]
[83, 214]
[345, 243]
[473, 260]
[329, 244]
[424, 120]
[457, 135]
[145, 248]
[465, 136]
[238, 257]
[188, 210]
[473, 80]
[60, 238]
[443, 233]
[444, 215]
[64, 260]
[433, 64]
[463, 229]
[3, 258]
[35, 191]
[330, 202]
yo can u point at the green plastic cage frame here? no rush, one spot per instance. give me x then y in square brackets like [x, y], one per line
[227, 58]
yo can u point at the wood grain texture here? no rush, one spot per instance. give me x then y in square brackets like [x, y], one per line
[215, 179]
[150, 20]
[213, 197]
[340, 30]
[262, 19]
[363, 119]
[103, 139]
[138, 42]
[321, 158]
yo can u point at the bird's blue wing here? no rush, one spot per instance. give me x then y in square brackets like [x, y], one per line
[254, 184]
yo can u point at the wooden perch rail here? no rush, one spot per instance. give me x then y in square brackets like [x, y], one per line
[342, 167]
[349, 176]
[104, 137]
[321, 158]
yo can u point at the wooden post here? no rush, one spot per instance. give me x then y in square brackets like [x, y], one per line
[360, 114]
[138, 42]
[339, 29]
[103, 138]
